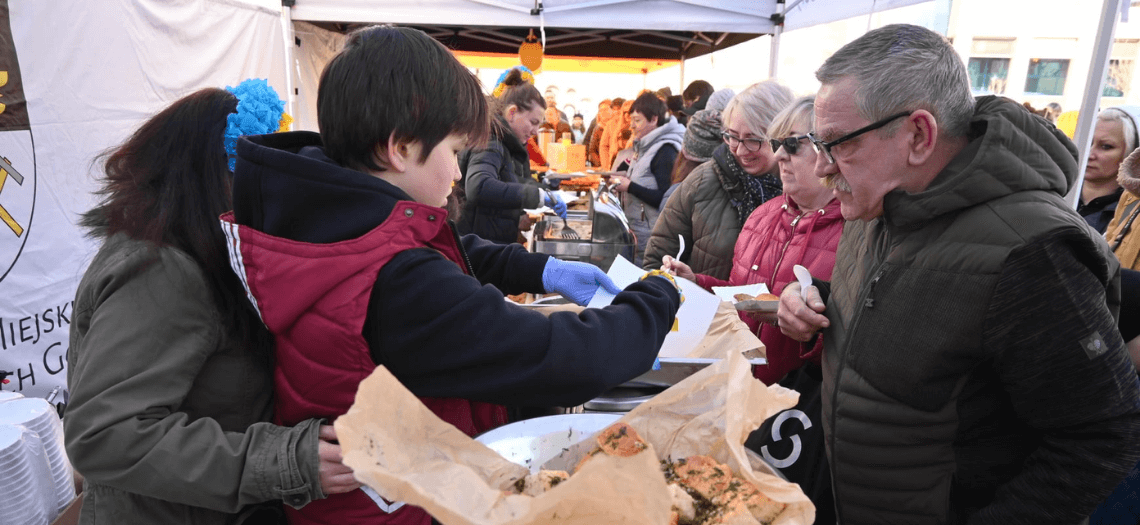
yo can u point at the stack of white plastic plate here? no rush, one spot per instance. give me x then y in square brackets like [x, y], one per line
[25, 480]
[39, 416]
[9, 396]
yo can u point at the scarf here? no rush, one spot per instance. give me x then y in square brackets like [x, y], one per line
[745, 192]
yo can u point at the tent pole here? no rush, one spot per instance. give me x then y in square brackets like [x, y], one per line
[682, 72]
[290, 39]
[774, 50]
[1093, 88]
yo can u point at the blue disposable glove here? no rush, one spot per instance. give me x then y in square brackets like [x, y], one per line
[576, 281]
[556, 203]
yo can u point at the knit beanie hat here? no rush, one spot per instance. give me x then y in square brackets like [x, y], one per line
[702, 135]
[719, 99]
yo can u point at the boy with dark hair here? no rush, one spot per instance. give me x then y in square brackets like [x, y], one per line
[345, 253]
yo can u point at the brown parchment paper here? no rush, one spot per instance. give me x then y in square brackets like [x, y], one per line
[726, 331]
[402, 450]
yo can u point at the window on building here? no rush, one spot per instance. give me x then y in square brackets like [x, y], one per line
[1117, 78]
[1046, 76]
[988, 75]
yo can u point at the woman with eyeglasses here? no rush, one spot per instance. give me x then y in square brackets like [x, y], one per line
[712, 204]
[801, 227]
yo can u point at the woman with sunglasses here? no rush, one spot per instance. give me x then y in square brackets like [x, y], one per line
[801, 227]
[709, 208]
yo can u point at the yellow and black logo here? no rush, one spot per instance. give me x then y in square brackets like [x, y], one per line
[17, 153]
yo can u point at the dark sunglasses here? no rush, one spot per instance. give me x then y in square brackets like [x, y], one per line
[790, 144]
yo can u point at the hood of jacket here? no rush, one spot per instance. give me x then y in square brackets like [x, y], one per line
[670, 131]
[1128, 176]
[285, 186]
[1010, 150]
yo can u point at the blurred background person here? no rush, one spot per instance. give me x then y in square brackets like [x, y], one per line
[657, 138]
[696, 95]
[676, 105]
[1053, 111]
[709, 208]
[593, 130]
[496, 178]
[720, 98]
[578, 128]
[1113, 139]
[803, 227]
[170, 368]
[702, 137]
[554, 124]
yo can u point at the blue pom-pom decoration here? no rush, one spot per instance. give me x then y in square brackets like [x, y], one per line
[258, 112]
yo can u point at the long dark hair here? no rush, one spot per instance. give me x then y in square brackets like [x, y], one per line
[167, 185]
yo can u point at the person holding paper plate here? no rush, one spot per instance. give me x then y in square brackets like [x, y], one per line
[801, 227]
[496, 177]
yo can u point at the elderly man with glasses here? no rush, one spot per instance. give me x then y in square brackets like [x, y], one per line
[972, 368]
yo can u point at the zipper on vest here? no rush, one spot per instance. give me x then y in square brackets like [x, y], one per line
[784, 251]
[459, 244]
[879, 252]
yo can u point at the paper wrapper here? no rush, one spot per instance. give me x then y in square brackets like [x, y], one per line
[727, 331]
[399, 448]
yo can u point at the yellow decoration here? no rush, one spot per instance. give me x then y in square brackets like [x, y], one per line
[1067, 122]
[285, 123]
[3, 81]
[530, 52]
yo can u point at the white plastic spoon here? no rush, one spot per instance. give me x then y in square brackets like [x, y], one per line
[804, 277]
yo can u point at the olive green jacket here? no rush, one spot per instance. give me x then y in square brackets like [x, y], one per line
[167, 420]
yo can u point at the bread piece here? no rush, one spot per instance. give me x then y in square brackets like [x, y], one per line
[621, 440]
[703, 475]
[740, 492]
[682, 504]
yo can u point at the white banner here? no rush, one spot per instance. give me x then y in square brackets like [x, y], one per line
[90, 72]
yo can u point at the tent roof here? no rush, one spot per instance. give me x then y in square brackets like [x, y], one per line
[645, 29]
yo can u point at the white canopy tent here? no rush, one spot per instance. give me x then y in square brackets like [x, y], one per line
[77, 76]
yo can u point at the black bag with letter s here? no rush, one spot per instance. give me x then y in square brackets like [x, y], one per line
[792, 441]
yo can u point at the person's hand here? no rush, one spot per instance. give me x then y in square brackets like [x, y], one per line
[576, 281]
[801, 319]
[336, 478]
[620, 183]
[556, 203]
[678, 268]
[525, 222]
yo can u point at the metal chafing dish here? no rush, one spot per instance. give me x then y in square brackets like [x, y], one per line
[602, 228]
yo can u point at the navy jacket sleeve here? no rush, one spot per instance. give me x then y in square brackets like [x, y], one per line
[443, 333]
[508, 267]
[662, 168]
[1063, 365]
[487, 190]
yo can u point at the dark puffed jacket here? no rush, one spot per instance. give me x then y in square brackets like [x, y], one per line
[493, 180]
[700, 209]
[972, 371]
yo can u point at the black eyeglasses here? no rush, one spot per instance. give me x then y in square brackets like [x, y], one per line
[750, 144]
[825, 147]
[790, 144]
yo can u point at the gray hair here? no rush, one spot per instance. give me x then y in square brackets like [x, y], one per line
[759, 104]
[903, 67]
[801, 110]
[1126, 124]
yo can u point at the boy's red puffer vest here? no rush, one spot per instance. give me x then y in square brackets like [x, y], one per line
[314, 299]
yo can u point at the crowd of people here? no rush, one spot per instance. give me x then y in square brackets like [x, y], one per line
[967, 351]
